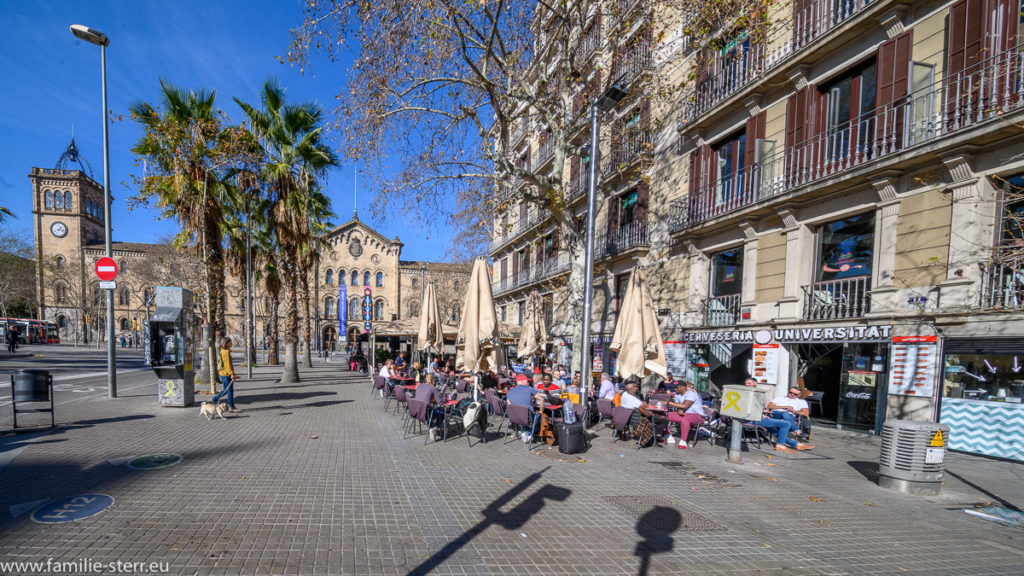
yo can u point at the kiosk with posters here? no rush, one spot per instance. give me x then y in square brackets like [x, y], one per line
[170, 347]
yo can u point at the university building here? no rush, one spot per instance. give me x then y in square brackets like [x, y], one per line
[834, 200]
[69, 238]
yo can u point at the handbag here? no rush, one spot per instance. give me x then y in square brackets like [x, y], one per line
[644, 432]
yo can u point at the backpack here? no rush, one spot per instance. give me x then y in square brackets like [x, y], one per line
[220, 363]
[644, 431]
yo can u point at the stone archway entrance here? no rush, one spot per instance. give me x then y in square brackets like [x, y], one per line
[329, 337]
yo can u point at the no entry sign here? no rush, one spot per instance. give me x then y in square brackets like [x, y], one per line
[106, 268]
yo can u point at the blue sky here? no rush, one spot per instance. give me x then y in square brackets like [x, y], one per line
[52, 85]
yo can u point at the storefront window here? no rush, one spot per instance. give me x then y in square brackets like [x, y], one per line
[727, 272]
[846, 248]
[992, 376]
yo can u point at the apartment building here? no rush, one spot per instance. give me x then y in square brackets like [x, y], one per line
[840, 207]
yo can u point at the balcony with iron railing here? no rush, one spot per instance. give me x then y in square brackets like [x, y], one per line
[722, 310]
[628, 148]
[629, 236]
[517, 131]
[523, 225]
[545, 152]
[989, 91]
[747, 62]
[578, 187]
[1002, 279]
[678, 214]
[547, 268]
[838, 299]
[632, 61]
[623, 8]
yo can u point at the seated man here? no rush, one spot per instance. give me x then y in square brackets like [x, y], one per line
[689, 409]
[790, 406]
[631, 399]
[427, 391]
[783, 443]
[524, 395]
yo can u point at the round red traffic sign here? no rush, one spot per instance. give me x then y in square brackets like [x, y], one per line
[106, 268]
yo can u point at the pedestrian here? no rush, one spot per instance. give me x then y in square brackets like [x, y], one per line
[226, 371]
[124, 342]
[10, 335]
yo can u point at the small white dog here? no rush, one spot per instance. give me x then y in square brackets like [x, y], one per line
[209, 409]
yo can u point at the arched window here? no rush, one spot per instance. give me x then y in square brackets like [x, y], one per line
[147, 296]
[328, 307]
[414, 308]
[415, 282]
[380, 279]
[355, 309]
[378, 310]
[68, 203]
[366, 278]
[355, 277]
[62, 322]
[124, 324]
[121, 267]
[329, 276]
[61, 262]
[60, 293]
[58, 200]
[48, 199]
[123, 297]
[341, 276]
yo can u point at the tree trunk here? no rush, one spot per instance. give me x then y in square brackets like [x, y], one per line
[274, 357]
[581, 350]
[290, 374]
[307, 357]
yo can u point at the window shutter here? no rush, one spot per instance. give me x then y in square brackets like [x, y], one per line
[891, 88]
[613, 213]
[642, 192]
[755, 131]
[554, 242]
[804, 119]
[963, 43]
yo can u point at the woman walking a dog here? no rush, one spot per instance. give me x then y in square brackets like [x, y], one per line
[226, 371]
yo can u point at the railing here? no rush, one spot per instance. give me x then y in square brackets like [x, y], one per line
[634, 60]
[578, 186]
[678, 215]
[722, 310]
[545, 152]
[747, 62]
[627, 148]
[986, 91]
[517, 131]
[631, 235]
[524, 224]
[547, 268]
[1002, 281]
[837, 299]
[591, 42]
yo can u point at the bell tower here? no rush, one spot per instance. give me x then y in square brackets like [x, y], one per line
[67, 206]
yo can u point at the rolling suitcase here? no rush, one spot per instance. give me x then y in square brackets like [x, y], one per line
[571, 439]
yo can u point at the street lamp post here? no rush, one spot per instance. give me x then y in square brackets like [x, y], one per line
[100, 39]
[603, 103]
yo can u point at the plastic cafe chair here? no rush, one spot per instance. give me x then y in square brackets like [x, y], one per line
[519, 416]
[378, 384]
[401, 397]
[604, 411]
[497, 411]
[620, 417]
[419, 412]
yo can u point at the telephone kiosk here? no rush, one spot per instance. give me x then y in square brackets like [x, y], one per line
[170, 346]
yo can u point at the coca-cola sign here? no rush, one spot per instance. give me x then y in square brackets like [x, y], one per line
[859, 395]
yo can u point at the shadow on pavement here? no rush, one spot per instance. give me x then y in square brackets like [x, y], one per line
[656, 526]
[995, 497]
[279, 396]
[867, 469]
[493, 516]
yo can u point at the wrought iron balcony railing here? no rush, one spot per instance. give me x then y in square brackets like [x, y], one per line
[722, 310]
[628, 148]
[625, 237]
[747, 61]
[837, 299]
[990, 90]
[1002, 280]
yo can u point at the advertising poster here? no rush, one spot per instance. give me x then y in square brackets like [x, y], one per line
[766, 363]
[913, 366]
[675, 357]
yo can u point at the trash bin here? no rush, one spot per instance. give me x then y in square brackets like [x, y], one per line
[912, 456]
[31, 385]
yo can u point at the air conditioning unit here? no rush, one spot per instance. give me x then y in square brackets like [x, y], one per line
[912, 456]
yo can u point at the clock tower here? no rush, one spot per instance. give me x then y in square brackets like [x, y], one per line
[67, 205]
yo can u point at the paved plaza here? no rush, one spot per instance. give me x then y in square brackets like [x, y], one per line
[314, 478]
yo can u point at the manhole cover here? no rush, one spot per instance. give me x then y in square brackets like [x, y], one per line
[152, 461]
[663, 515]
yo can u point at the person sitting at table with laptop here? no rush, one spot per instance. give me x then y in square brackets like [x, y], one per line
[631, 399]
[689, 409]
[780, 427]
[427, 392]
[790, 406]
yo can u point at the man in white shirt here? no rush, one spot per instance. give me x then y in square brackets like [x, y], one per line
[689, 409]
[790, 406]
[631, 399]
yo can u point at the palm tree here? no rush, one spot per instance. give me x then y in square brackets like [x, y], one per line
[4, 212]
[187, 149]
[294, 157]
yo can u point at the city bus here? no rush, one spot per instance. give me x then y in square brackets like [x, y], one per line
[32, 331]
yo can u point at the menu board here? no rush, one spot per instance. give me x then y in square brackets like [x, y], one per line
[912, 371]
[766, 363]
[675, 357]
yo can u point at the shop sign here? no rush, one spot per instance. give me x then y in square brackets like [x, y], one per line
[841, 334]
[675, 357]
[851, 395]
[912, 371]
[766, 363]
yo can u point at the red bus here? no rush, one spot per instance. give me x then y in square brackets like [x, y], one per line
[32, 331]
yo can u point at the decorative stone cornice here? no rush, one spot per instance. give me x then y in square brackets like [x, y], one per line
[959, 166]
[799, 76]
[886, 190]
[753, 106]
[789, 220]
[892, 21]
[749, 232]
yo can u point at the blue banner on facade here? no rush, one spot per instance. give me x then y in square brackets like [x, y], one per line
[367, 309]
[342, 309]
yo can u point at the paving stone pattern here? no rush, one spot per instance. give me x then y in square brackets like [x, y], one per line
[315, 478]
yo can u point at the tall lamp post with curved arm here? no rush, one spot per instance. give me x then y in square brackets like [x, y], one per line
[100, 39]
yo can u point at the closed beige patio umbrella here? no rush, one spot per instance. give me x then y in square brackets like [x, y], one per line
[478, 344]
[431, 334]
[534, 337]
[637, 338]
